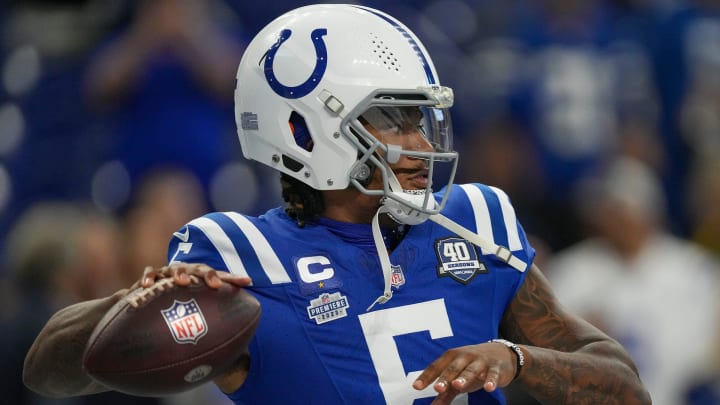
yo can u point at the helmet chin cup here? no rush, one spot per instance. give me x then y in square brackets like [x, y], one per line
[404, 213]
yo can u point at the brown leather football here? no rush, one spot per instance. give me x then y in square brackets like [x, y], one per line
[168, 339]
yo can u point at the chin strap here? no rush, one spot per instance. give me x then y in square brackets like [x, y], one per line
[500, 252]
[401, 214]
[384, 259]
[406, 215]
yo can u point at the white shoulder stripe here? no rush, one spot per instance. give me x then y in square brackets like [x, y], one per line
[483, 226]
[269, 261]
[222, 243]
[510, 220]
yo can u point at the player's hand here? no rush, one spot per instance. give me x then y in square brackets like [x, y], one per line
[233, 379]
[181, 272]
[467, 369]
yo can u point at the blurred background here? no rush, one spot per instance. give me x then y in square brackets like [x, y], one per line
[599, 118]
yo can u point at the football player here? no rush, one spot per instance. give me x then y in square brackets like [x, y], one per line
[375, 286]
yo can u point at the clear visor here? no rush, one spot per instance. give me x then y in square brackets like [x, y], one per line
[412, 128]
[390, 124]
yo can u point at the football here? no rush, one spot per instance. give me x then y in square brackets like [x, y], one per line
[168, 339]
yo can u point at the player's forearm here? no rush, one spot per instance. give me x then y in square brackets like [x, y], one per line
[592, 375]
[53, 365]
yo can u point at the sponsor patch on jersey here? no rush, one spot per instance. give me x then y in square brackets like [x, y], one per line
[316, 274]
[398, 277]
[328, 307]
[458, 258]
[186, 321]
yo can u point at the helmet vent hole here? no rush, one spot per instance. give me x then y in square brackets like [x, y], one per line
[384, 54]
[300, 131]
[292, 164]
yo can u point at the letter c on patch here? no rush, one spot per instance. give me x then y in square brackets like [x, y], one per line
[303, 265]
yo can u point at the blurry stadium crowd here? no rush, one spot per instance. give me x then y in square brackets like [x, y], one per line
[601, 120]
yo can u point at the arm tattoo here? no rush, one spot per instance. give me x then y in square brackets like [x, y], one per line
[568, 360]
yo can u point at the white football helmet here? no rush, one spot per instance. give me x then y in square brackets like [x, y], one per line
[306, 81]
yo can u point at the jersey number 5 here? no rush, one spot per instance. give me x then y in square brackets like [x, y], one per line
[381, 327]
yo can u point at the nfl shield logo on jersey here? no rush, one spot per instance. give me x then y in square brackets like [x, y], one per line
[398, 277]
[186, 321]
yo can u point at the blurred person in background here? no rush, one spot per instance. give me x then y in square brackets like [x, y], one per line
[685, 47]
[163, 85]
[700, 120]
[640, 284]
[164, 200]
[45, 151]
[64, 251]
[568, 67]
[58, 253]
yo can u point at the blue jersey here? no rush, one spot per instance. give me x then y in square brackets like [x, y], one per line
[317, 342]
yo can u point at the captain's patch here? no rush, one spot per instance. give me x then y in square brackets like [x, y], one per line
[458, 258]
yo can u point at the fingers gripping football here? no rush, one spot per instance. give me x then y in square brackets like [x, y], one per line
[182, 272]
[173, 336]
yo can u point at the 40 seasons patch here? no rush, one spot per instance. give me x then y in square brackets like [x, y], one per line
[458, 259]
[328, 307]
[186, 321]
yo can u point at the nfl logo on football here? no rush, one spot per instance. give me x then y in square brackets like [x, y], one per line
[186, 321]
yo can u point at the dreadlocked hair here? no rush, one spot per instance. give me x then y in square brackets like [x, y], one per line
[303, 203]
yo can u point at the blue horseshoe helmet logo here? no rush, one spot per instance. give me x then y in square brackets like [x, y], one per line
[317, 73]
